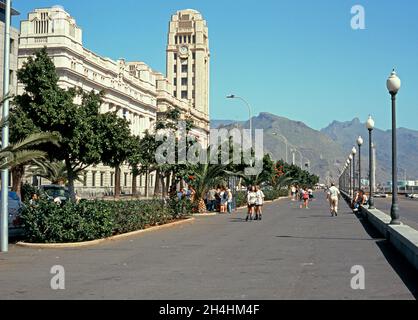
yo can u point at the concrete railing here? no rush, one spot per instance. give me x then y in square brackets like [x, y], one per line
[402, 237]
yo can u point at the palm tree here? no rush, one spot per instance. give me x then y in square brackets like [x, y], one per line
[56, 172]
[24, 152]
[202, 178]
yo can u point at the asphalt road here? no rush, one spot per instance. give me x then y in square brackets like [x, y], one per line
[292, 254]
[408, 209]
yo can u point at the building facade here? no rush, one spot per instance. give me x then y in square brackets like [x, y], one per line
[188, 63]
[132, 89]
[14, 40]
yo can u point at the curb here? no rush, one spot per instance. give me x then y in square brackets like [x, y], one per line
[210, 214]
[99, 241]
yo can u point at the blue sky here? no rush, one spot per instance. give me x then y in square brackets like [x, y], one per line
[295, 58]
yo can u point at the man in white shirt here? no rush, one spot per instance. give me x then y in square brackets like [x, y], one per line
[334, 196]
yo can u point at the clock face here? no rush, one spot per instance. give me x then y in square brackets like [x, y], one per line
[184, 50]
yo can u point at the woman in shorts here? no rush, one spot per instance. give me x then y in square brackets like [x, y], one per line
[251, 202]
[259, 203]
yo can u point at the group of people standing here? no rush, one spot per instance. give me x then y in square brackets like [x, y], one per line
[304, 195]
[255, 202]
[219, 199]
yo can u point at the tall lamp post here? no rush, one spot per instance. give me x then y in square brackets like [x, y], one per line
[286, 142]
[370, 127]
[360, 142]
[4, 213]
[393, 85]
[350, 158]
[353, 154]
[232, 96]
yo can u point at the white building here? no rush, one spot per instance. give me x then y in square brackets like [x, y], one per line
[132, 89]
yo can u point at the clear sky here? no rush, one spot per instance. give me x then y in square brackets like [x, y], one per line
[296, 58]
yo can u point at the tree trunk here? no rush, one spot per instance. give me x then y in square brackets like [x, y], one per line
[71, 178]
[157, 190]
[134, 188]
[117, 182]
[17, 177]
[146, 183]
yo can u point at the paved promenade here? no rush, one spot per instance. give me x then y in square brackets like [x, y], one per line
[291, 254]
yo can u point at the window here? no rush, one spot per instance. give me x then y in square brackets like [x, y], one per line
[93, 178]
[175, 68]
[102, 179]
[175, 81]
[175, 93]
[194, 39]
[184, 94]
[112, 175]
[189, 38]
[184, 81]
[85, 179]
[175, 56]
[125, 182]
[194, 55]
[184, 68]
[176, 40]
[193, 81]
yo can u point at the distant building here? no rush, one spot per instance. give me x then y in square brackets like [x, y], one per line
[14, 40]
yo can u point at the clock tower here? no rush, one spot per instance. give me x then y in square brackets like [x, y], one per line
[188, 59]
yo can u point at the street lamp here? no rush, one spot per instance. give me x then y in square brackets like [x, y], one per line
[232, 96]
[286, 142]
[393, 85]
[370, 127]
[351, 191]
[4, 212]
[301, 157]
[359, 143]
[353, 154]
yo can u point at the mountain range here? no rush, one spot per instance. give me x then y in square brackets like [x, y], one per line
[326, 150]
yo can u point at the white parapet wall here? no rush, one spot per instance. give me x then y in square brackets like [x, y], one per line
[402, 237]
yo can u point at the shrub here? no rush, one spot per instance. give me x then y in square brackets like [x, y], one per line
[47, 222]
[28, 190]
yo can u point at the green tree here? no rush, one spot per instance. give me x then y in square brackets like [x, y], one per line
[116, 143]
[52, 108]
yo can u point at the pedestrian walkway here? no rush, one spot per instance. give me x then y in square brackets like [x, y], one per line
[292, 254]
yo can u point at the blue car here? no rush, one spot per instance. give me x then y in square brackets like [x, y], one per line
[15, 209]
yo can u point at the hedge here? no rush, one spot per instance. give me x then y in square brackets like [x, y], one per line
[47, 222]
[241, 198]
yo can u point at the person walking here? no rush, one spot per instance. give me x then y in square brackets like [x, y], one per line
[229, 200]
[305, 198]
[293, 191]
[251, 201]
[259, 203]
[334, 196]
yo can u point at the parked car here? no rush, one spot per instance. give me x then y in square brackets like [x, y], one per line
[56, 193]
[413, 196]
[15, 209]
[380, 195]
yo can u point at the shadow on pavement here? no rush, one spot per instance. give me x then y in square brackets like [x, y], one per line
[325, 238]
[399, 263]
